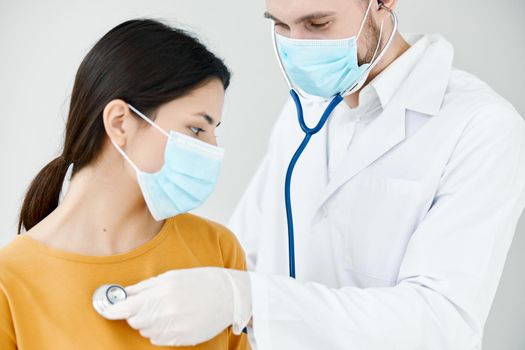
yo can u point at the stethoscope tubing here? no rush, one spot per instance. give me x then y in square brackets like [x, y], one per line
[309, 132]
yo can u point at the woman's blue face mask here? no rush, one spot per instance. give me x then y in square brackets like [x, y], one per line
[187, 178]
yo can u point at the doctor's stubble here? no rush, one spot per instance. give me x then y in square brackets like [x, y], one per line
[370, 37]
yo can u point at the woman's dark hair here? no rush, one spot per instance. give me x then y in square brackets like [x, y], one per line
[143, 62]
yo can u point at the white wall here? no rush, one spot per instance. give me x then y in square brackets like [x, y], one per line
[43, 42]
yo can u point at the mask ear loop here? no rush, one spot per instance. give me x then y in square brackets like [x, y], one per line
[362, 82]
[150, 122]
[126, 157]
[364, 20]
[382, 52]
[279, 59]
[378, 41]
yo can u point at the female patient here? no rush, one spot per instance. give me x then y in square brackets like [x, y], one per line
[141, 138]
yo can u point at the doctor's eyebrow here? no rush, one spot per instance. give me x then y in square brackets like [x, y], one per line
[308, 17]
[272, 17]
[208, 119]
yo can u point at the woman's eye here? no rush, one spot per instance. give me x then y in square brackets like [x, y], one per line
[196, 130]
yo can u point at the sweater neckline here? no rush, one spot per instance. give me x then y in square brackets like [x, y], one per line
[99, 259]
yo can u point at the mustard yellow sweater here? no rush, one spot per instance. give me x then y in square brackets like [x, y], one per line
[45, 293]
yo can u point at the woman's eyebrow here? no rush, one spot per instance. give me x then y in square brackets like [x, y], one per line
[208, 119]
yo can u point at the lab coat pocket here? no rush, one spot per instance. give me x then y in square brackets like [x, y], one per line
[376, 217]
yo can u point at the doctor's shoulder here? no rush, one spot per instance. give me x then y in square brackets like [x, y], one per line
[479, 124]
[474, 101]
[211, 240]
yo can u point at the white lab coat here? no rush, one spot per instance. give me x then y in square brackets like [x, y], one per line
[404, 247]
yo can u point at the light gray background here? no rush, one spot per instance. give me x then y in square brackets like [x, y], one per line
[43, 42]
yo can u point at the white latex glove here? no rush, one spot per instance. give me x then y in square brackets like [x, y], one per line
[186, 307]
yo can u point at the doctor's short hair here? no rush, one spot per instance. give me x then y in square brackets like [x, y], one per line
[143, 62]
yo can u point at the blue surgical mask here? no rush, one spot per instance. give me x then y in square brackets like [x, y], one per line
[187, 178]
[323, 68]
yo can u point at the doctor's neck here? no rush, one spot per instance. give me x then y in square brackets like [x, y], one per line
[396, 49]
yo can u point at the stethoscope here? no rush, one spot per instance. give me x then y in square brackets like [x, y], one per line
[309, 132]
[106, 295]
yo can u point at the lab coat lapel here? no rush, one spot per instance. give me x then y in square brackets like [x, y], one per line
[389, 129]
[378, 138]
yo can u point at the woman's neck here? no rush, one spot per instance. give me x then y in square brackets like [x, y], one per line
[103, 213]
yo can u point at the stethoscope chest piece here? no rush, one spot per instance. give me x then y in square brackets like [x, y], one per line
[106, 295]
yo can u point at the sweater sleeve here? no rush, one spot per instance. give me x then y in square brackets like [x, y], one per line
[234, 258]
[7, 332]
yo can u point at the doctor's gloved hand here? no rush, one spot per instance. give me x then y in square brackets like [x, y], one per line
[186, 307]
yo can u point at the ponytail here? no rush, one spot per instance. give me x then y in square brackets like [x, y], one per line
[43, 194]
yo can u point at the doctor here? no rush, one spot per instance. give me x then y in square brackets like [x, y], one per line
[404, 204]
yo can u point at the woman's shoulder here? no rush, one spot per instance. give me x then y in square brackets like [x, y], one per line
[13, 252]
[197, 225]
[15, 258]
[207, 233]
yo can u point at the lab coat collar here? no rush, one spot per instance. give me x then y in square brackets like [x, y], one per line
[429, 59]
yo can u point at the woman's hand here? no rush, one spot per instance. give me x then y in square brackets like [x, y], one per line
[186, 307]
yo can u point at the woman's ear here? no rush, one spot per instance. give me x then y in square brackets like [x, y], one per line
[116, 116]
